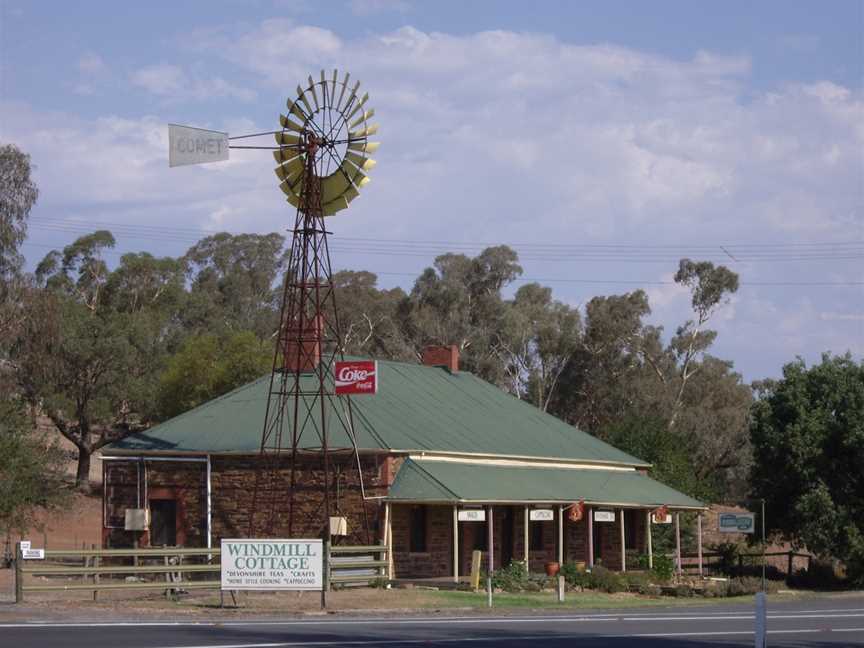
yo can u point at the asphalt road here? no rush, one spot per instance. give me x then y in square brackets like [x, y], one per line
[837, 622]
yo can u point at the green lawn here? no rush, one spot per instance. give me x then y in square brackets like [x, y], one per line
[573, 600]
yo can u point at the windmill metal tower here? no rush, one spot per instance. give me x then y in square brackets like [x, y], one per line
[322, 155]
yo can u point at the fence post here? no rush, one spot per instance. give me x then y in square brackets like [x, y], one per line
[96, 562]
[325, 577]
[789, 568]
[19, 576]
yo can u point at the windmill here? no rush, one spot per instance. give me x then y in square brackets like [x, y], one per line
[322, 152]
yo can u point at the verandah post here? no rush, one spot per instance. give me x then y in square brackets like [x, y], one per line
[490, 525]
[19, 576]
[648, 537]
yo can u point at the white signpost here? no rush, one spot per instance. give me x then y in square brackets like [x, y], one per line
[472, 515]
[272, 565]
[737, 523]
[188, 145]
[541, 515]
[604, 516]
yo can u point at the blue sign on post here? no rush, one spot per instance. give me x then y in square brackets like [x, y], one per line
[737, 522]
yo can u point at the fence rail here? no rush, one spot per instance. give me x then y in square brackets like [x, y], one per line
[345, 565]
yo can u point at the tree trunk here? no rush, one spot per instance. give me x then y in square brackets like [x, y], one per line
[82, 476]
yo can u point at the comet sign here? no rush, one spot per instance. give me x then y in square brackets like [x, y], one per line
[356, 377]
[188, 145]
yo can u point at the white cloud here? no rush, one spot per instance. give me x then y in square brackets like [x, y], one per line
[368, 7]
[91, 63]
[171, 82]
[514, 137]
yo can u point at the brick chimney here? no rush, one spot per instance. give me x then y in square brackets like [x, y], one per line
[442, 356]
[302, 351]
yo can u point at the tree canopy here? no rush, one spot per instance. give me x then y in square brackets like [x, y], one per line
[808, 443]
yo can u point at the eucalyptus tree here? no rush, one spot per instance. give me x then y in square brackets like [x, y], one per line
[458, 301]
[18, 195]
[92, 339]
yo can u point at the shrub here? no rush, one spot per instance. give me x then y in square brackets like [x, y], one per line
[650, 589]
[605, 580]
[683, 591]
[512, 578]
[664, 567]
[574, 576]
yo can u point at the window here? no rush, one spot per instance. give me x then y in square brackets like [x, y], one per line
[418, 529]
[631, 525]
[481, 531]
[536, 536]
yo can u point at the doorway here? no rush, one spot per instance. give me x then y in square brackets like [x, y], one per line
[597, 533]
[507, 522]
[163, 522]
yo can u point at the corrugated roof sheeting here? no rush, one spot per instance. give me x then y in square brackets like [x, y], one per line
[441, 481]
[416, 408]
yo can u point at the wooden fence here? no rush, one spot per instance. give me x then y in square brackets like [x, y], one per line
[182, 569]
[713, 562]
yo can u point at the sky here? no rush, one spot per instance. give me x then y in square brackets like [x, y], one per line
[603, 141]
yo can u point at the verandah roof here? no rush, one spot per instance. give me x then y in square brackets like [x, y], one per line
[442, 481]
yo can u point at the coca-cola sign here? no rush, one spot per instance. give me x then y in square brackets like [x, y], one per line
[356, 377]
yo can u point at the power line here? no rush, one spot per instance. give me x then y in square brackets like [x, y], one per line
[647, 253]
[568, 280]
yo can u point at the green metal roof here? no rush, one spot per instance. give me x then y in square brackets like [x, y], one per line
[444, 481]
[417, 408]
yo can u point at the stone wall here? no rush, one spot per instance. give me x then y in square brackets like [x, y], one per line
[133, 484]
[234, 497]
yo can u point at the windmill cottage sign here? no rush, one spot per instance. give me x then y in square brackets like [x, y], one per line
[272, 565]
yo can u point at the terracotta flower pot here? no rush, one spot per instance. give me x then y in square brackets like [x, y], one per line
[552, 568]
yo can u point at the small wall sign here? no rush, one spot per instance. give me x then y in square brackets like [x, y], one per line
[541, 515]
[472, 515]
[604, 516]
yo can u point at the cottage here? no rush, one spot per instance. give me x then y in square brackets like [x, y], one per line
[444, 458]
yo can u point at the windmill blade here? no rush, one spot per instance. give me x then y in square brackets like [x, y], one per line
[333, 94]
[289, 125]
[358, 106]
[302, 96]
[290, 171]
[331, 208]
[352, 96]
[294, 108]
[359, 161]
[323, 89]
[366, 116]
[364, 146]
[351, 193]
[284, 155]
[366, 132]
[314, 94]
[344, 86]
[286, 139]
[335, 184]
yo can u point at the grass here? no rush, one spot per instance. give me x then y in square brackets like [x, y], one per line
[581, 600]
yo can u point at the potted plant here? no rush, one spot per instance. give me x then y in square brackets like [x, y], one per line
[552, 568]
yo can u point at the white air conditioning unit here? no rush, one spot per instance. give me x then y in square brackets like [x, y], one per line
[137, 519]
[338, 526]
